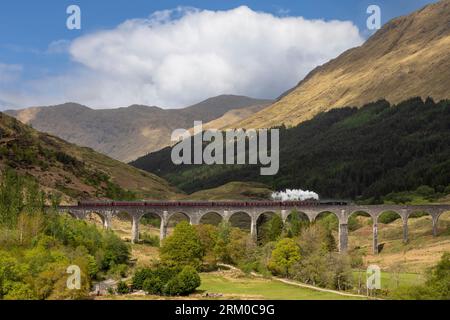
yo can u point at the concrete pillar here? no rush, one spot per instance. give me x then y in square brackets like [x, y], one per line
[194, 219]
[254, 229]
[343, 237]
[375, 237]
[135, 230]
[284, 215]
[163, 228]
[106, 222]
[435, 223]
[405, 230]
[226, 216]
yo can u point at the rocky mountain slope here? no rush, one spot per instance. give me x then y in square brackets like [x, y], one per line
[128, 133]
[71, 171]
[409, 56]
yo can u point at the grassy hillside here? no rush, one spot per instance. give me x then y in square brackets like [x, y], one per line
[407, 57]
[72, 171]
[376, 151]
[234, 191]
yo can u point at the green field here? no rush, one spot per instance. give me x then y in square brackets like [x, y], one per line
[258, 288]
[391, 281]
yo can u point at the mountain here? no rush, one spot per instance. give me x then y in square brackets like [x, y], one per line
[408, 57]
[362, 153]
[231, 117]
[71, 171]
[127, 133]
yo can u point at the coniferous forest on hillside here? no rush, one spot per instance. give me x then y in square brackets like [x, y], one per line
[379, 151]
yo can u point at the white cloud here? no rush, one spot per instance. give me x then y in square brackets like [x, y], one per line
[9, 73]
[58, 47]
[179, 57]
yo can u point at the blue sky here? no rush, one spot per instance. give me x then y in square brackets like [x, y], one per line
[27, 28]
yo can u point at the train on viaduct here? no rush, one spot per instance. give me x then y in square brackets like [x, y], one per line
[195, 211]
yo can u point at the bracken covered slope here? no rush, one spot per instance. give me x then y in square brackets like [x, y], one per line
[72, 171]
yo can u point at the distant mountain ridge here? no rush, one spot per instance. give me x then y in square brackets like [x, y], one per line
[408, 57]
[128, 133]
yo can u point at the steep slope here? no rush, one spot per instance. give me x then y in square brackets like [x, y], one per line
[72, 171]
[231, 117]
[408, 57]
[126, 133]
[368, 152]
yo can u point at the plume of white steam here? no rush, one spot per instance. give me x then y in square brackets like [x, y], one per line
[295, 194]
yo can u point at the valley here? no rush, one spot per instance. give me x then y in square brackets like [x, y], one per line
[402, 264]
[366, 136]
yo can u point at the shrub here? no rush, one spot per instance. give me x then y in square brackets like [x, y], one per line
[152, 280]
[122, 288]
[188, 280]
[153, 285]
[425, 191]
[183, 247]
[284, 256]
[152, 221]
[149, 239]
[295, 224]
[328, 221]
[184, 283]
[115, 251]
[118, 271]
[271, 230]
[388, 217]
[447, 190]
[19, 291]
[139, 278]
[318, 265]
[173, 288]
[208, 236]
[164, 280]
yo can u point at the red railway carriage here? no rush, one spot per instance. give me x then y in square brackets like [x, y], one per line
[161, 204]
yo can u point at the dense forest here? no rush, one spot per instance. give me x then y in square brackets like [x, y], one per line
[377, 151]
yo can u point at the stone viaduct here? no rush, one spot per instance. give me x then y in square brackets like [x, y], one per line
[195, 211]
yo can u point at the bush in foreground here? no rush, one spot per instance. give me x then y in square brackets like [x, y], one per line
[183, 247]
[169, 281]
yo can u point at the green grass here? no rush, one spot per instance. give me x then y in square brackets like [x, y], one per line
[255, 288]
[390, 281]
[234, 191]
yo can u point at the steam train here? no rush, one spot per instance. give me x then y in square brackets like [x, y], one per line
[162, 204]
